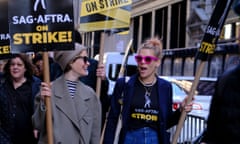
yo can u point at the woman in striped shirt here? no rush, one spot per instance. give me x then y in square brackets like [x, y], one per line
[76, 110]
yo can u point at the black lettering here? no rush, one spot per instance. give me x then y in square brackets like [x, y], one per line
[101, 3]
[112, 3]
[94, 6]
[91, 6]
[88, 7]
[106, 1]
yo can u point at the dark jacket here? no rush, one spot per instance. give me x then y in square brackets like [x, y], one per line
[91, 80]
[167, 117]
[223, 125]
[5, 109]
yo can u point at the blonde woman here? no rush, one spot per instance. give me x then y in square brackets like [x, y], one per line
[147, 102]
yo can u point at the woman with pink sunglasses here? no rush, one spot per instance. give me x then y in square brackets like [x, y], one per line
[146, 102]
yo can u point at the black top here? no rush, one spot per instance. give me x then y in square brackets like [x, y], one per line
[21, 107]
[17, 112]
[144, 114]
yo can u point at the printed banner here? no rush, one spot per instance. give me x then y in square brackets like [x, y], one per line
[111, 15]
[213, 30]
[4, 33]
[41, 25]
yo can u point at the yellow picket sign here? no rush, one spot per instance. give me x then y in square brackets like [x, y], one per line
[104, 15]
[90, 7]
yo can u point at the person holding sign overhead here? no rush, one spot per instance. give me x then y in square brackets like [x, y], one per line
[146, 102]
[76, 110]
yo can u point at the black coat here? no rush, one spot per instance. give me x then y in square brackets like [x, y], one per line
[7, 104]
[223, 125]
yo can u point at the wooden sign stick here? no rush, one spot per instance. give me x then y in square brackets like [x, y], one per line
[189, 99]
[121, 73]
[46, 78]
[100, 61]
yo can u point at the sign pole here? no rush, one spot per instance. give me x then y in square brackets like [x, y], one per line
[100, 61]
[122, 69]
[121, 74]
[190, 97]
[46, 78]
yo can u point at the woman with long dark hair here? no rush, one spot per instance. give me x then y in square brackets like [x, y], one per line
[18, 87]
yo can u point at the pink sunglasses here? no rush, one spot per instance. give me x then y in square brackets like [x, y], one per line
[147, 59]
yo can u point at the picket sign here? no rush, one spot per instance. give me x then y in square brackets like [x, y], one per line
[207, 48]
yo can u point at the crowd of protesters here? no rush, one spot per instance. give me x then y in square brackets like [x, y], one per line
[77, 115]
[21, 82]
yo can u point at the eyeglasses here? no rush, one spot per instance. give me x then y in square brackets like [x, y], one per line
[85, 58]
[147, 59]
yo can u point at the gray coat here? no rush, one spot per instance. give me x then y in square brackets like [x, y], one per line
[75, 120]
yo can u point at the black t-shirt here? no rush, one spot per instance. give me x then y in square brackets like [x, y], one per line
[142, 113]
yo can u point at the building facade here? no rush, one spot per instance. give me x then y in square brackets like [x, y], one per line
[179, 23]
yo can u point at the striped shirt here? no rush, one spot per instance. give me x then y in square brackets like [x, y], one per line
[72, 87]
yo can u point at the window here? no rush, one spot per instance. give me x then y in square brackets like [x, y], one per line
[114, 70]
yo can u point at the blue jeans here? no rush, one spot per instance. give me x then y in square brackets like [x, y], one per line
[144, 135]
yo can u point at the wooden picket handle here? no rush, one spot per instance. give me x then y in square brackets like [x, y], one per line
[46, 78]
[189, 99]
[121, 73]
[122, 69]
[100, 61]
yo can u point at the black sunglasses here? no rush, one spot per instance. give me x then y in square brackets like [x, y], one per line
[85, 58]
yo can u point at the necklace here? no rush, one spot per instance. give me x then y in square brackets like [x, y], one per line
[148, 91]
[148, 84]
